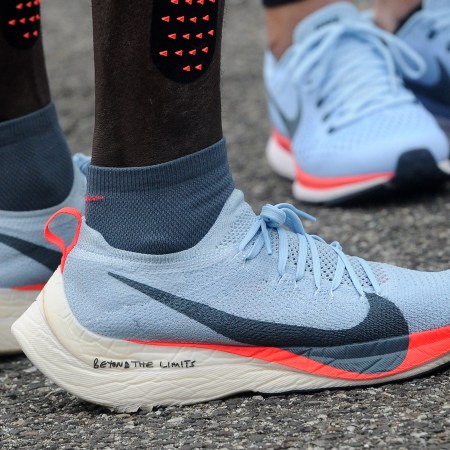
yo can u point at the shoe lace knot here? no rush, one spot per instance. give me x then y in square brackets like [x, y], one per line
[284, 217]
[353, 81]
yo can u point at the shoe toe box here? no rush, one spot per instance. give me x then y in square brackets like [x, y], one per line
[422, 297]
[375, 144]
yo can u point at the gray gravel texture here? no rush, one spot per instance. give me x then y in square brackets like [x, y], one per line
[412, 231]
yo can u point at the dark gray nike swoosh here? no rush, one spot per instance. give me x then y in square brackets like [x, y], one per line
[368, 357]
[439, 91]
[290, 124]
[383, 321]
[45, 256]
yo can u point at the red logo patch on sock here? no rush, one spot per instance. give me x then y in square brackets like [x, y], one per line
[94, 198]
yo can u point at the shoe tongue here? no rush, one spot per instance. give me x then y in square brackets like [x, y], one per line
[436, 4]
[337, 12]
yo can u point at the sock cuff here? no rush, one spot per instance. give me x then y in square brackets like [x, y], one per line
[110, 180]
[15, 130]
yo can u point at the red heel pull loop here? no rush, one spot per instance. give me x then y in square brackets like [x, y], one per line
[59, 242]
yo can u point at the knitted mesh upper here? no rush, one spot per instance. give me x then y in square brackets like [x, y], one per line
[328, 257]
[215, 275]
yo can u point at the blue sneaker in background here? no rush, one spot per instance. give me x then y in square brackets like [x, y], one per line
[343, 122]
[428, 32]
[27, 260]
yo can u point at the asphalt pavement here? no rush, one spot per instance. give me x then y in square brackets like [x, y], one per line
[408, 230]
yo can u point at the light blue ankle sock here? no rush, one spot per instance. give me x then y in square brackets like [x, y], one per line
[159, 209]
[36, 169]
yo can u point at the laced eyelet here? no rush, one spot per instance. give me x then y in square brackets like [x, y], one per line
[283, 216]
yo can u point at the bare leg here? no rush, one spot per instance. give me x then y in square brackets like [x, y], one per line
[281, 22]
[388, 13]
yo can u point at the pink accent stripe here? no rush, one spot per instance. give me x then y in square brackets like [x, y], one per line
[32, 287]
[314, 182]
[424, 347]
[284, 142]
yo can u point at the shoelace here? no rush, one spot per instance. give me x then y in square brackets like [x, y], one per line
[284, 216]
[361, 83]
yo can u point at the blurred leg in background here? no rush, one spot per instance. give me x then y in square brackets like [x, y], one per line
[390, 15]
[283, 16]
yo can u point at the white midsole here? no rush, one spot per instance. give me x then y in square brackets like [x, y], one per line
[306, 194]
[281, 161]
[283, 164]
[126, 376]
[13, 304]
[445, 166]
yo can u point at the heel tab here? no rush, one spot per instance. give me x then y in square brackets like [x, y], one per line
[58, 241]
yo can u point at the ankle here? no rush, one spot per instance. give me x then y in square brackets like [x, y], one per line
[160, 209]
[282, 20]
[389, 15]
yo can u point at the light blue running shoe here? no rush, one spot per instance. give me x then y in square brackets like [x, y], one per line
[27, 261]
[252, 307]
[343, 122]
[428, 32]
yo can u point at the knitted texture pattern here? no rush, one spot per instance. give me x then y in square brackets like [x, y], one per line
[159, 209]
[22, 239]
[215, 273]
[36, 170]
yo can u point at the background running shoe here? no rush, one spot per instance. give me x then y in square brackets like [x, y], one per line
[252, 307]
[343, 122]
[27, 260]
[428, 32]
